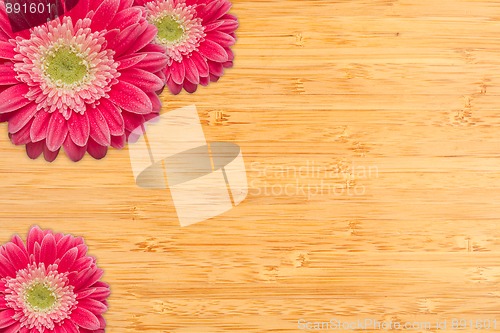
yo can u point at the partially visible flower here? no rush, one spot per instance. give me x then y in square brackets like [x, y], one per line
[197, 35]
[50, 284]
[82, 81]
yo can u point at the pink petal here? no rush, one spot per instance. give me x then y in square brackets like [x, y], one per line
[130, 98]
[161, 75]
[36, 248]
[216, 68]
[5, 25]
[39, 127]
[229, 17]
[153, 62]
[58, 237]
[22, 136]
[19, 242]
[79, 11]
[8, 75]
[204, 81]
[110, 37]
[20, 118]
[144, 39]
[191, 71]
[99, 130]
[35, 149]
[221, 38]
[104, 14]
[7, 50]
[18, 24]
[142, 79]
[229, 24]
[141, 2]
[50, 155]
[48, 253]
[153, 117]
[118, 142]
[85, 293]
[35, 235]
[16, 255]
[102, 322]
[213, 51]
[230, 54]
[173, 87]
[113, 116]
[12, 328]
[67, 261]
[201, 64]
[130, 60]
[13, 98]
[96, 150]
[69, 326]
[67, 242]
[82, 330]
[214, 10]
[6, 268]
[178, 72]
[57, 329]
[73, 151]
[132, 120]
[190, 87]
[91, 278]
[214, 78]
[82, 249]
[101, 293]
[213, 26]
[6, 318]
[125, 4]
[79, 281]
[82, 263]
[195, 2]
[92, 305]
[155, 101]
[101, 284]
[127, 37]
[154, 48]
[5, 117]
[79, 128]
[126, 18]
[56, 132]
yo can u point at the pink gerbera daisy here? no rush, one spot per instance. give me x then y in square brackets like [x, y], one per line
[197, 35]
[50, 285]
[82, 81]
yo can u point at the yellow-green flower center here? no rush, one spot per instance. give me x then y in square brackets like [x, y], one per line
[40, 297]
[65, 66]
[169, 29]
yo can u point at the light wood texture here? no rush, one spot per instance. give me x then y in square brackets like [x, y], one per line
[393, 104]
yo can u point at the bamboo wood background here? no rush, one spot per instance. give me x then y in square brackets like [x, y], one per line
[369, 130]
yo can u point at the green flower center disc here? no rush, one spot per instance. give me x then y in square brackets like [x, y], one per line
[169, 29]
[40, 297]
[65, 65]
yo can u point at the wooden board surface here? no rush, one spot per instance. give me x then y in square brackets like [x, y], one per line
[370, 135]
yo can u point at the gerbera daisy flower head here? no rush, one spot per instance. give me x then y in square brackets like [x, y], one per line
[82, 81]
[197, 36]
[50, 284]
